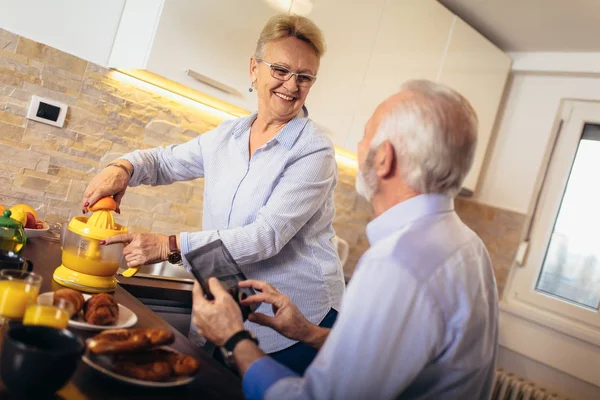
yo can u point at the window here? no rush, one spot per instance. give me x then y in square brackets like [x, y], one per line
[561, 273]
[571, 268]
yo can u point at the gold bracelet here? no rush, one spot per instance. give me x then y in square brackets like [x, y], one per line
[124, 168]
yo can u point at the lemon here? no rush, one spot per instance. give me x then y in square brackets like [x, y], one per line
[25, 209]
[19, 215]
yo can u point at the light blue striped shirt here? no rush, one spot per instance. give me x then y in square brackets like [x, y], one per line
[273, 212]
[419, 320]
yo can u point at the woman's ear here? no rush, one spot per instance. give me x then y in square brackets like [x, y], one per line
[253, 69]
[385, 161]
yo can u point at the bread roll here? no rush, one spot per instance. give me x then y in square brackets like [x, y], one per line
[101, 309]
[73, 297]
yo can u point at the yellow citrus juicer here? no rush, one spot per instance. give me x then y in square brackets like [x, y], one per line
[86, 265]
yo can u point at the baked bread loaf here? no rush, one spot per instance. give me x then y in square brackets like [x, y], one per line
[117, 341]
[73, 297]
[183, 365]
[155, 371]
[156, 365]
[101, 309]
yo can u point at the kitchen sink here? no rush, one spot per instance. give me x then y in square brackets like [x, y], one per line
[164, 271]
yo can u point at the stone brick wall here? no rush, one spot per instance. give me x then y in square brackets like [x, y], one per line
[48, 167]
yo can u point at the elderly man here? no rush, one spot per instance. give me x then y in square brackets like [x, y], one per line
[419, 319]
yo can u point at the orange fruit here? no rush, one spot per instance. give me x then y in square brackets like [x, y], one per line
[2, 208]
[25, 208]
[105, 203]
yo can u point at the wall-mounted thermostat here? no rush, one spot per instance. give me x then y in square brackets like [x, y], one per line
[47, 111]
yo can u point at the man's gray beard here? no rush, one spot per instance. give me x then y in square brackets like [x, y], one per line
[366, 181]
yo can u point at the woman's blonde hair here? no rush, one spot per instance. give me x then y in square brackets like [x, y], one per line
[284, 25]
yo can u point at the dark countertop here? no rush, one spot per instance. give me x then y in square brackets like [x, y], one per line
[169, 290]
[213, 381]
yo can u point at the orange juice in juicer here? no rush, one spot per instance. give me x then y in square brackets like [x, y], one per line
[86, 265]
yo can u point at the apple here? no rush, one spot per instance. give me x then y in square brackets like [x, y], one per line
[31, 222]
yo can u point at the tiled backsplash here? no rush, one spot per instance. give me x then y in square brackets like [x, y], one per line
[499, 229]
[48, 167]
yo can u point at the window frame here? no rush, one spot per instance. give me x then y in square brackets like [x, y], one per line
[532, 323]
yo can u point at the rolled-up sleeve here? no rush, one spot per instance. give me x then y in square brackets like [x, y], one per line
[177, 162]
[164, 165]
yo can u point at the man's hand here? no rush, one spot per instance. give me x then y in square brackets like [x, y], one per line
[288, 319]
[141, 248]
[111, 181]
[219, 319]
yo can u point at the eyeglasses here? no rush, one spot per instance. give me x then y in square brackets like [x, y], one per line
[282, 73]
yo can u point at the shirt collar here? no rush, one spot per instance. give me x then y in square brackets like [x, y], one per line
[406, 212]
[287, 136]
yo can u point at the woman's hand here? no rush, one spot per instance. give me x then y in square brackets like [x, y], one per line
[141, 248]
[111, 181]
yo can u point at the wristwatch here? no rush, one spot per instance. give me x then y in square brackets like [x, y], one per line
[174, 253]
[229, 346]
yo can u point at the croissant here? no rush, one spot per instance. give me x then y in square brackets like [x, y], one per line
[156, 365]
[101, 309]
[73, 297]
[117, 341]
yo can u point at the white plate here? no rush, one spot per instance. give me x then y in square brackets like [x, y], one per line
[33, 233]
[103, 363]
[127, 318]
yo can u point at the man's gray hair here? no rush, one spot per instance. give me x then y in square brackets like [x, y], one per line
[434, 134]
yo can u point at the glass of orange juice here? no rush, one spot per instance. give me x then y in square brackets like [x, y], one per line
[48, 313]
[18, 289]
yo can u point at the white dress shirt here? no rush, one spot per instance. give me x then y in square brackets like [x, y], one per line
[419, 319]
[273, 212]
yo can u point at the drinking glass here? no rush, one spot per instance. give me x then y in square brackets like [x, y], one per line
[18, 289]
[55, 314]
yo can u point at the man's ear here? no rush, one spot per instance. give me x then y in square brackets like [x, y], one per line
[385, 161]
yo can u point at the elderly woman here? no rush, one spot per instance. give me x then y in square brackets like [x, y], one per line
[269, 182]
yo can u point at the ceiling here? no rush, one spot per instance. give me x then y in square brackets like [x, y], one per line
[534, 25]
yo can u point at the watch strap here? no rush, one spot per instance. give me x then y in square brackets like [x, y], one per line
[174, 256]
[173, 244]
[238, 337]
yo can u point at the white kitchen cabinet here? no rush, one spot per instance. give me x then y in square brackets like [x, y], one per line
[350, 32]
[421, 39]
[85, 29]
[478, 70]
[213, 38]
[410, 44]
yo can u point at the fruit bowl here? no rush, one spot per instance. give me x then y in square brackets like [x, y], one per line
[32, 233]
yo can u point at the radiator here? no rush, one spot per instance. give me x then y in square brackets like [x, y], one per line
[508, 386]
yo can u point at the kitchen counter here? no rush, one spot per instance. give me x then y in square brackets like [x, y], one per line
[169, 290]
[212, 381]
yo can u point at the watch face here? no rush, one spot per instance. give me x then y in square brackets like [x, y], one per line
[175, 258]
[227, 357]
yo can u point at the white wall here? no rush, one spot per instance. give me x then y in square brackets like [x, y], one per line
[546, 377]
[523, 132]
